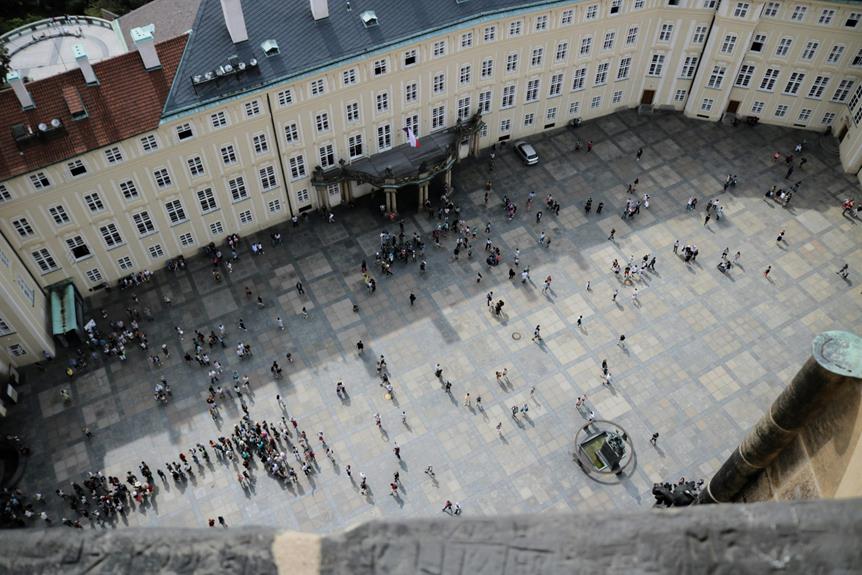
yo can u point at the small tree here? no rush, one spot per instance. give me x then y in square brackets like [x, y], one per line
[4, 62]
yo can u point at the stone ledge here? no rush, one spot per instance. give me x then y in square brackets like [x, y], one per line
[799, 537]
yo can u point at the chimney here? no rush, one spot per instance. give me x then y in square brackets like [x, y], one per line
[84, 64]
[320, 9]
[234, 19]
[143, 39]
[14, 79]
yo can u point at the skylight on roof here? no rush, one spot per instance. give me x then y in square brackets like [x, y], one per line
[269, 47]
[369, 18]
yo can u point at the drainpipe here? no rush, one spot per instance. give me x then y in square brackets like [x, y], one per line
[277, 138]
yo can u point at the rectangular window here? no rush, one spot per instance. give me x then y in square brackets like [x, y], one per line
[601, 74]
[562, 51]
[218, 120]
[810, 50]
[578, 78]
[162, 177]
[94, 275]
[326, 154]
[818, 87]
[574, 108]
[297, 167]
[111, 235]
[781, 111]
[321, 122]
[769, 77]
[466, 40]
[556, 85]
[207, 201]
[237, 188]
[464, 75]
[149, 143]
[175, 211]
[608, 43]
[541, 23]
[699, 35]
[592, 12]
[656, 65]
[529, 119]
[617, 97]
[828, 118]
[835, 54]
[260, 144]
[76, 168]
[632, 36]
[352, 112]
[78, 248]
[438, 117]
[706, 105]
[536, 56]
[94, 202]
[532, 91]
[196, 166]
[216, 229]
[757, 107]
[615, 6]
[156, 251]
[716, 78]
[384, 136]
[381, 67]
[679, 95]
[354, 146]
[184, 131]
[741, 10]
[464, 108]
[665, 33]
[508, 97]
[382, 101]
[743, 79]
[274, 206]
[59, 215]
[799, 13]
[246, 217]
[39, 180]
[228, 155]
[505, 126]
[411, 91]
[793, 83]
[551, 114]
[44, 260]
[439, 48]
[804, 115]
[758, 42]
[490, 33]
[596, 102]
[144, 223]
[252, 109]
[438, 84]
[771, 9]
[487, 68]
[114, 155]
[412, 122]
[515, 28]
[318, 87]
[728, 44]
[586, 45]
[485, 101]
[125, 263]
[826, 16]
[348, 77]
[623, 70]
[266, 176]
[284, 98]
[567, 17]
[512, 63]
[187, 239]
[291, 133]
[857, 59]
[5, 194]
[689, 65]
[23, 227]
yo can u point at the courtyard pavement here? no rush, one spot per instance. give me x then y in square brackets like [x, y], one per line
[707, 353]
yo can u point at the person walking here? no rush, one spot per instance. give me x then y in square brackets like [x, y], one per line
[280, 323]
[639, 154]
[780, 237]
[622, 341]
[615, 294]
[537, 333]
[612, 234]
[580, 320]
[299, 288]
[706, 218]
[766, 272]
[676, 247]
[412, 299]
[654, 439]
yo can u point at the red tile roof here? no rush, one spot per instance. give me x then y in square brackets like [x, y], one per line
[127, 101]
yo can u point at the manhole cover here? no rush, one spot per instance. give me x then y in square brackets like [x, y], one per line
[516, 335]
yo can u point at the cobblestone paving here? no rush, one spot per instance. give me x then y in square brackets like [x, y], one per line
[706, 352]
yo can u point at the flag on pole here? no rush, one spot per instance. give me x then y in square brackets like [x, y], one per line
[411, 137]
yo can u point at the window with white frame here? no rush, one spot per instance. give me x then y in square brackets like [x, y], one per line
[438, 48]
[114, 155]
[828, 118]
[541, 23]
[216, 229]
[144, 223]
[505, 126]
[743, 78]
[175, 211]
[781, 111]
[44, 260]
[529, 120]
[59, 215]
[689, 65]
[853, 19]
[467, 40]
[716, 78]
[567, 16]
[532, 93]
[186, 239]
[632, 36]
[218, 120]
[574, 108]
[196, 166]
[728, 44]
[354, 146]
[149, 143]
[94, 202]
[489, 34]
[318, 87]
[156, 251]
[111, 235]
[586, 45]
[699, 35]
[464, 108]
[412, 122]
[464, 75]
[76, 168]
[291, 133]
[485, 101]
[487, 67]
[511, 62]
[758, 42]
[857, 59]
[561, 52]
[665, 33]
[615, 6]
[551, 114]
[515, 28]
[826, 16]
[321, 122]
[260, 144]
[804, 115]
[818, 87]
[125, 263]
[274, 206]
[349, 77]
[207, 201]
[39, 180]
[679, 95]
[438, 117]
[384, 137]
[835, 54]
[706, 105]
[4, 328]
[508, 97]
[767, 83]
[326, 156]
[771, 9]
[17, 350]
[592, 12]
[793, 83]
[23, 227]
[757, 107]
[162, 177]
[284, 98]
[238, 190]
[556, 86]
[608, 43]
[5, 194]
[302, 196]
[596, 102]
[624, 67]
[799, 13]
[638, 4]
[382, 100]
[438, 84]
[78, 248]
[297, 167]
[94, 275]
[810, 50]
[252, 108]
[352, 112]
[656, 65]
[246, 217]
[601, 73]
[266, 175]
[411, 92]
[184, 131]
[536, 56]
[579, 78]
[617, 97]
[228, 155]
[741, 9]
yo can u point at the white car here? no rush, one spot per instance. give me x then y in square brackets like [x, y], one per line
[527, 152]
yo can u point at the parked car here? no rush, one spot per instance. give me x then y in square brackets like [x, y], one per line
[527, 152]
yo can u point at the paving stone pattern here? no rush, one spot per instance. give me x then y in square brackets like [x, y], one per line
[706, 353]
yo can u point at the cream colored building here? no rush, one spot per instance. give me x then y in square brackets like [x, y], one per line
[299, 85]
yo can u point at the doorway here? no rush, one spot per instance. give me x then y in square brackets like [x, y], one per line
[646, 99]
[732, 106]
